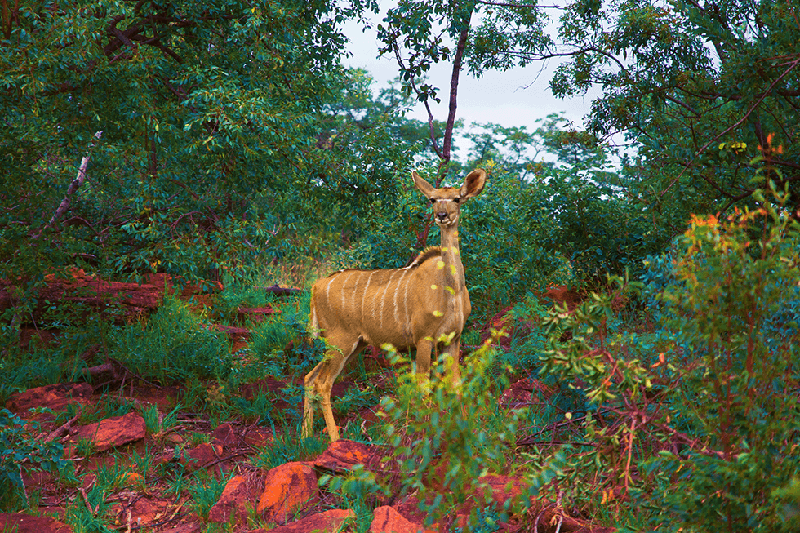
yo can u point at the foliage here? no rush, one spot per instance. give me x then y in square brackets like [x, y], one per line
[505, 252]
[173, 345]
[699, 87]
[158, 424]
[695, 422]
[28, 371]
[206, 490]
[21, 450]
[209, 131]
[570, 203]
[419, 34]
[443, 439]
[286, 447]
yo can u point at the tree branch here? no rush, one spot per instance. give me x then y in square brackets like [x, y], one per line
[454, 78]
[76, 183]
[736, 124]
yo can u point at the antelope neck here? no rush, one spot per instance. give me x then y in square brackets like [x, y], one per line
[451, 254]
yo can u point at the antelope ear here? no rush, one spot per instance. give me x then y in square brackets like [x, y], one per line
[473, 183]
[422, 186]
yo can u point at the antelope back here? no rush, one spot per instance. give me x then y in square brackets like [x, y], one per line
[396, 306]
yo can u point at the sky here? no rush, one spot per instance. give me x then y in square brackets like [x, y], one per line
[517, 97]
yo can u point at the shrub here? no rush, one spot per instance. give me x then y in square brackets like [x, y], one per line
[443, 440]
[173, 346]
[20, 450]
[696, 421]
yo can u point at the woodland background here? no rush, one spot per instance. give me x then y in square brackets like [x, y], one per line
[224, 141]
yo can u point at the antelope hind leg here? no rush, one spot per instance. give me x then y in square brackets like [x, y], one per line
[319, 383]
[310, 386]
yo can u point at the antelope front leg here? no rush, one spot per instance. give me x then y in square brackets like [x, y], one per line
[453, 353]
[423, 359]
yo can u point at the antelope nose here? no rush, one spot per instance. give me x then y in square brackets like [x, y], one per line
[442, 215]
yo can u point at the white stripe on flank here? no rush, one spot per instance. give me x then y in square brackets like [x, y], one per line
[328, 292]
[344, 282]
[364, 296]
[355, 290]
[396, 292]
[383, 298]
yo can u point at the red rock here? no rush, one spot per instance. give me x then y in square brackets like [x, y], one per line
[144, 511]
[233, 332]
[226, 435]
[342, 455]
[288, 488]
[408, 507]
[190, 527]
[258, 437]
[55, 397]
[331, 521]
[255, 314]
[198, 457]
[77, 289]
[25, 523]
[112, 432]
[202, 455]
[561, 295]
[235, 502]
[120, 301]
[388, 520]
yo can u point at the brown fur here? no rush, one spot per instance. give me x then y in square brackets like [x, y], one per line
[418, 305]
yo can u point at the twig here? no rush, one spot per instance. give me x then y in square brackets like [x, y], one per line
[93, 511]
[76, 183]
[539, 516]
[630, 453]
[24, 489]
[560, 514]
[62, 430]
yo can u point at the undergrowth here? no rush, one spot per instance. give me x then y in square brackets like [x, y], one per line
[678, 414]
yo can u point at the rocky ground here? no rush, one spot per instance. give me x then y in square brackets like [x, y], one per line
[134, 463]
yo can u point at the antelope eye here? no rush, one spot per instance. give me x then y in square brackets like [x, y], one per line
[433, 200]
[456, 199]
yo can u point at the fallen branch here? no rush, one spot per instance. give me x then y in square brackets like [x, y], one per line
[275, 289]
[63, 429]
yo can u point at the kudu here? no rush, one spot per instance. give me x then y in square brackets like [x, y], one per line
[419, 305]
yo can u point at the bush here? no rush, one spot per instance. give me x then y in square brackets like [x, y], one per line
[173, 346]
[444, 440]
[20, 450]
[696, 421]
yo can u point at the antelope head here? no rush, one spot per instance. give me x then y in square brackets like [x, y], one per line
[446, 202]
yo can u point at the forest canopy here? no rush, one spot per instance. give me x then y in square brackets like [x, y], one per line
[216, 132]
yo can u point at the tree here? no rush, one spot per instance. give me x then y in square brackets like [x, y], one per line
[467, 34]
[209, 117]
[708, 91]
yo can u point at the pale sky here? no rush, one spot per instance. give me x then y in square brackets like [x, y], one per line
[516, 97]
